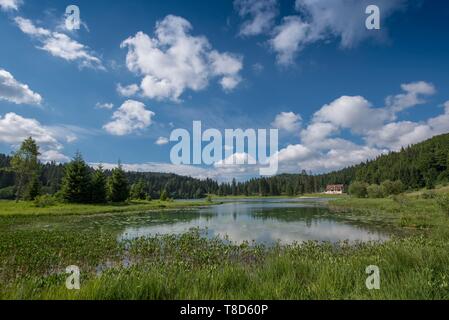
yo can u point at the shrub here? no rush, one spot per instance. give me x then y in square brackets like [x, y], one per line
[374, 191]
[390, 188]
[358, 189]
[45, 201]
[164, 196]
[7, 193]
[443, 202]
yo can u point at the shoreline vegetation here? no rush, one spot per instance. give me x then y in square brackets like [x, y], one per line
[25, 208]
[413, 266]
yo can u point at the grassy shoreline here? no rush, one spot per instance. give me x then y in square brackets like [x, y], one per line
[23, 208]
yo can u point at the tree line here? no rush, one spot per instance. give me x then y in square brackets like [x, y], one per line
[422, 165]
[23, 177]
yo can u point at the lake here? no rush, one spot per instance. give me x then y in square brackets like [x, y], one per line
[261, 221]
[266, 221]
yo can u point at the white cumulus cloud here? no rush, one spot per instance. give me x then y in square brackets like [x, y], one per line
[174, 60]
[13, 91]
[260, 13]
[15, 128]
[288, 121]
[131, 117]
[10, 5]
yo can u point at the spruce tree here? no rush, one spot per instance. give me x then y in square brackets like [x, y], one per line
[118, 185]
[99, 186]
[76, 183]
[33, 188]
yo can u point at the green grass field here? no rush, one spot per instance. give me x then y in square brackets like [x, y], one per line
[23, 208]
[414, 266]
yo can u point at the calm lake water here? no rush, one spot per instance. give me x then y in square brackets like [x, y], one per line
[263, 221]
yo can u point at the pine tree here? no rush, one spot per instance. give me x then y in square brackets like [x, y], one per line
[33, 188]
[76, 183]
[99, 186]
[118, 185]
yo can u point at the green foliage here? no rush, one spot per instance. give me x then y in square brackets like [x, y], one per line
[164, 195]
[374, 191]
[33, 188]
[390, 188]
[138, 191]
[358, 189]
[7, 193]
[443, 202]
[45, 201]
[118, 185]
[99, 186]
[25, 165]
[76, 184]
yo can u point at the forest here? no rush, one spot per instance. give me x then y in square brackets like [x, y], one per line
[418, 166]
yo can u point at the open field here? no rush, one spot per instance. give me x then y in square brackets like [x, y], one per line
[23, 208]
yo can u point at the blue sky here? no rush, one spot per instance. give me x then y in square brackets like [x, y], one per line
[338, 93]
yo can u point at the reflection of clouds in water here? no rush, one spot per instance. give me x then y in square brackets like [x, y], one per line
[241, 226]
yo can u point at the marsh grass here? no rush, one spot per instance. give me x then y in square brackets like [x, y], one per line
[189, 266]
[25, 208]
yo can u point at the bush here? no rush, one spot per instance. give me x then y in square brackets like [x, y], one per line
[374, 191]
[443, 202]
[45, 201]
[358, 189]
[164, 196]
[390, 188]
[7, 193]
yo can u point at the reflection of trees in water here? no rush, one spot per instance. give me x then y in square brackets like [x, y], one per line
[306, 214]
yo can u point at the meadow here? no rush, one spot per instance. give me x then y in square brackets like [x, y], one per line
[413, 266]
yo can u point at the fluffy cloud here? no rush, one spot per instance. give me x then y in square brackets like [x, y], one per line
[60, 45]
[354, 113]
[289, 38]
[317, 20]
[261, 14]
[174, 61]
[411, 96]
[13, 91]
[162, 141]
[127, 91]
[322, 150]
[15, 128]
[8, 5]
[108, 106]
[129, 118]
[287, 121]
